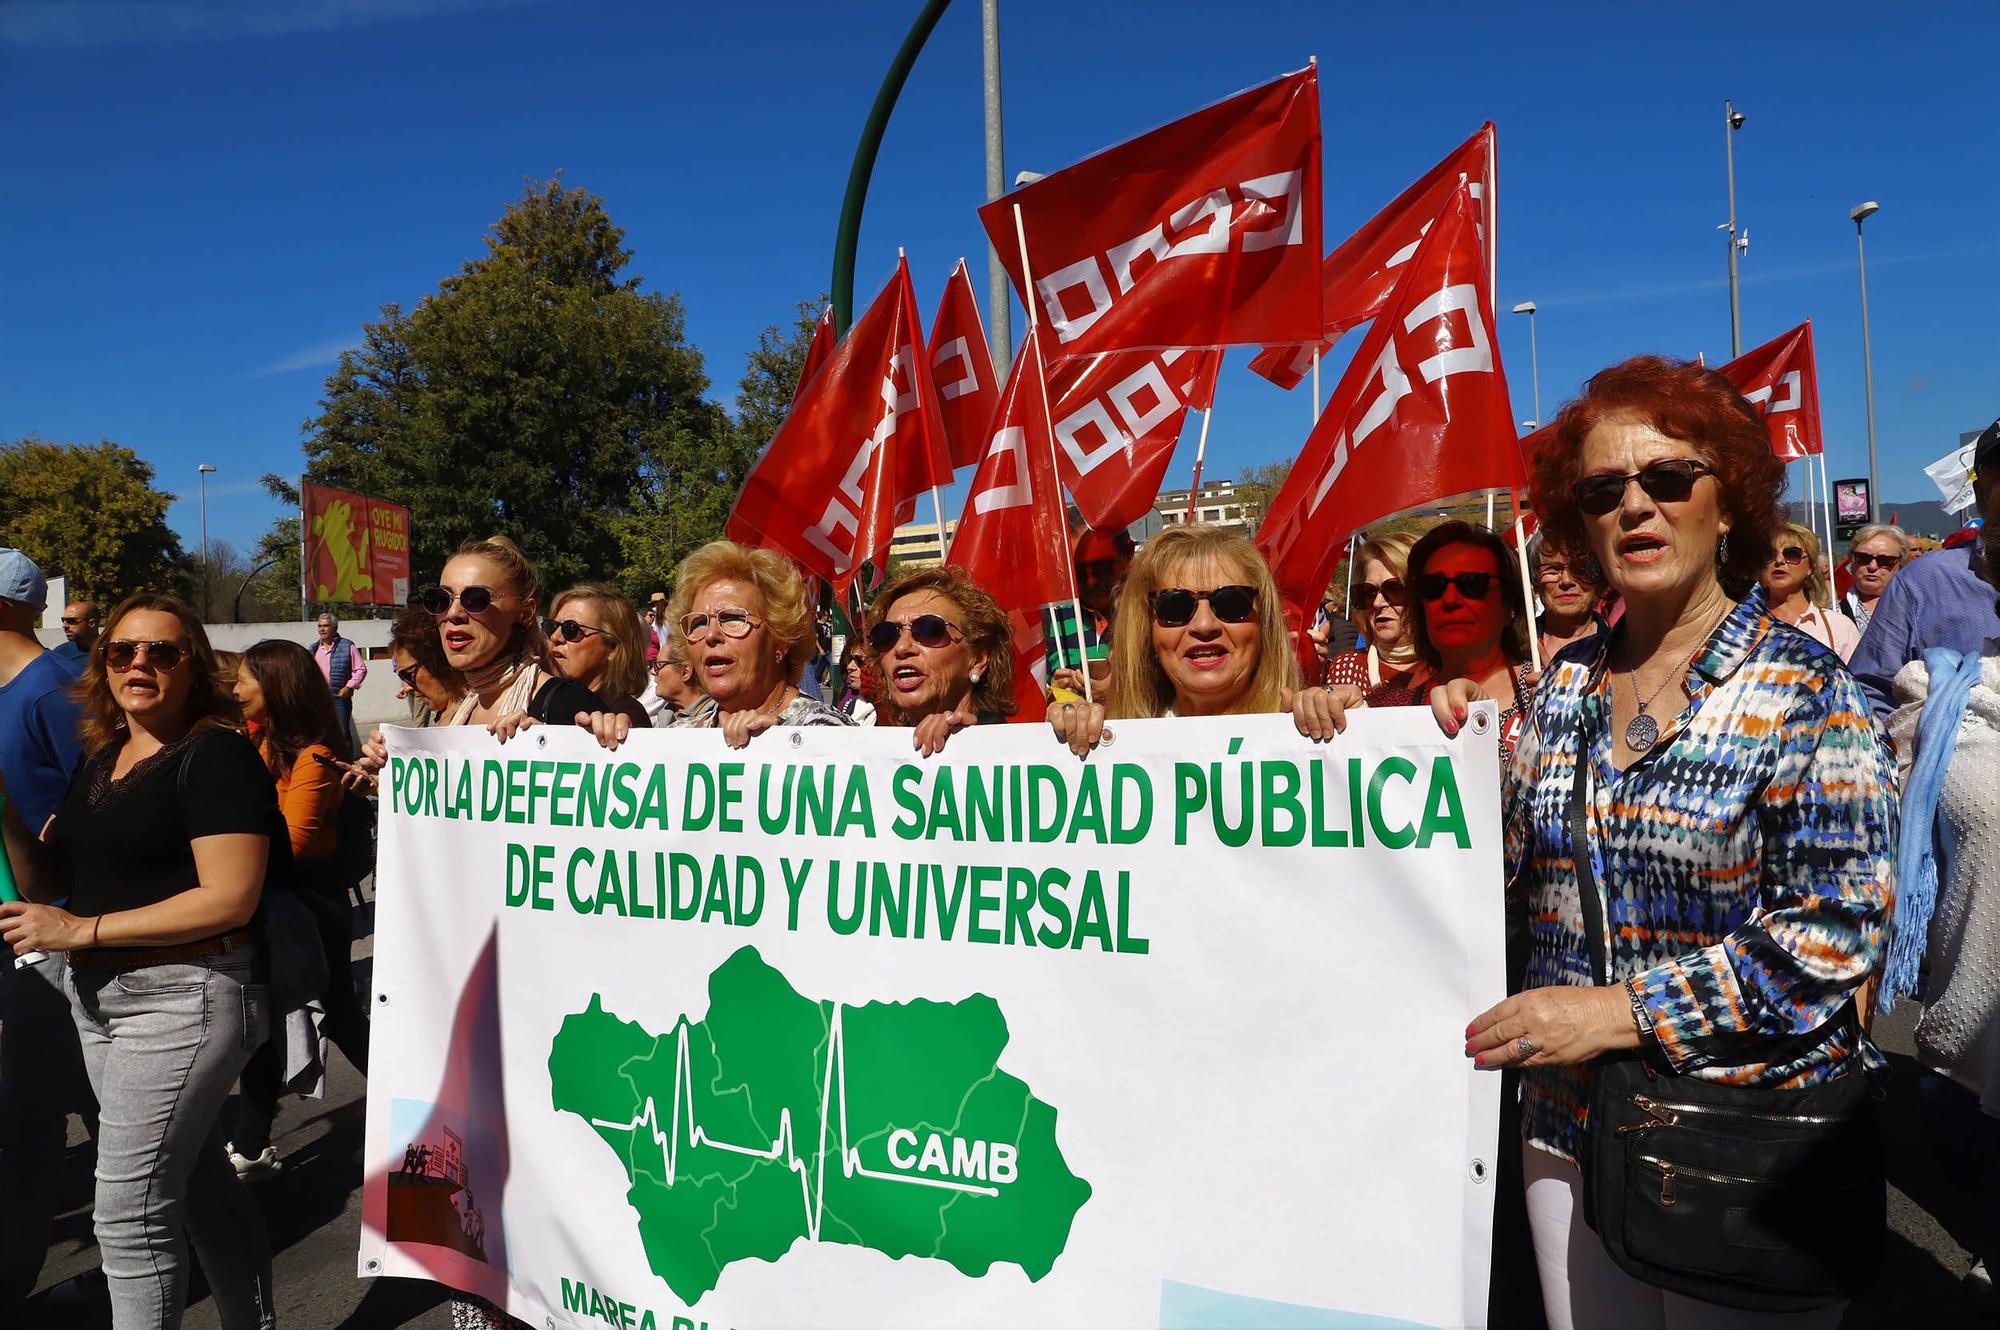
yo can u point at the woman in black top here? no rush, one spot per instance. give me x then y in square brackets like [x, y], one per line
[162, 846]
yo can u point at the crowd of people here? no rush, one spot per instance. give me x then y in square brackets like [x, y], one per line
[1743, 810]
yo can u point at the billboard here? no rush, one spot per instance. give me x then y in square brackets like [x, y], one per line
[357, 547]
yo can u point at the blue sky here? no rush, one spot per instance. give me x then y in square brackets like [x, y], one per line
[210, 198]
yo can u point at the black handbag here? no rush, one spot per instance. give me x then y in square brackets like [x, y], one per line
[1759, 1199]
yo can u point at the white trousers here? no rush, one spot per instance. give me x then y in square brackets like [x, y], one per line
[1583, 1290]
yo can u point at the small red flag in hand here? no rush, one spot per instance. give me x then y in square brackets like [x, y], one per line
[1358, 276]
[962, 368]
[858, 440]
[1012, 537]
[1781, 380]
[1421, 414]
[1203, 232]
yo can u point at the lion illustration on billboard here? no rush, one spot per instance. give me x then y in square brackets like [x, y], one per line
[347, 545]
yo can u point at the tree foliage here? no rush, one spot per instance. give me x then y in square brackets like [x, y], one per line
[538, 392]
[88, 512]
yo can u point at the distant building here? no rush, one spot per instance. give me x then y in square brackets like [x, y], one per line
[1218, 504]
[914, 545]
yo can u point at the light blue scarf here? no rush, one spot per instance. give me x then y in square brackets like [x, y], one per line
[1952, 676]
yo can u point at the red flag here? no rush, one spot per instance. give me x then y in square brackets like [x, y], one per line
[1012, 538]
[825, 490]
[1118, 418]
[817, 352]
[962, 368]
[1421, 414]
[1357, 277]
[1203, 232]
[1779, 377]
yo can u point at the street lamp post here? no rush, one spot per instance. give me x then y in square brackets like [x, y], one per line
[1861, 213]
[1732, 120]
[1527, 307]
[204, 470]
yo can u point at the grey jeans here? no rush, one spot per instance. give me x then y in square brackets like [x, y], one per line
[163, 1045]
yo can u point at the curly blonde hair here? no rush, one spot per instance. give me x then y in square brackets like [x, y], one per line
[624, 634]
[786, 615]
[985, 625]
[1139, 685]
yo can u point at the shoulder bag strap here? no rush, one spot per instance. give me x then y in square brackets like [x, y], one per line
[1586, 876]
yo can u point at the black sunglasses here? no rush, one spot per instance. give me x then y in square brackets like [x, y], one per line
[926, 630]
[569, 630]
[1789, 554]
[475, 599]
[1174, 607]
[408, 674]
[1390, 589]
[1858, 560]
[122, 654]
[1671, 481]
[1473, 586]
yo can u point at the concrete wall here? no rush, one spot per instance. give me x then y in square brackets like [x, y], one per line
[375, 704]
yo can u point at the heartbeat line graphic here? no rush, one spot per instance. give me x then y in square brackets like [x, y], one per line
[683, 1130]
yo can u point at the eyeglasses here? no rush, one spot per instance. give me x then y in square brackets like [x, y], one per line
[569, 630]
[473, 600]
[1473, 586]
[730, 623]
[1174, 607]
[1553, 573]
[124, 653]
[1789, 554]
[1858, 560]
[1670, 481]
[1390, 589]
[408, 674]
[926, 630]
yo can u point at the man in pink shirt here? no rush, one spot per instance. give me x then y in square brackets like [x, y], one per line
[345, 665]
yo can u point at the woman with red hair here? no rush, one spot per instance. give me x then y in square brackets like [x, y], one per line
[1700, 818]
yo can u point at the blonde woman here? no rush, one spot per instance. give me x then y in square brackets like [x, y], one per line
[1200, 631]
[1798, 594]
[598, 640]
[1387, 669]
[742, 617]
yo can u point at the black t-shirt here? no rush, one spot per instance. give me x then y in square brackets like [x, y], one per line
[127, 843]
[560, 701]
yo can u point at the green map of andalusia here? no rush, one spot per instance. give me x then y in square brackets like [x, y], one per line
[776, 1118]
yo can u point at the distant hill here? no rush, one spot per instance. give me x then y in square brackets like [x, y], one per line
[1926, 518]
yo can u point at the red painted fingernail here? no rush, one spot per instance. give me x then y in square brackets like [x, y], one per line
[1479, 1062]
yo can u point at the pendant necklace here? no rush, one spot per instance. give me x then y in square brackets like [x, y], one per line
[1642, 731]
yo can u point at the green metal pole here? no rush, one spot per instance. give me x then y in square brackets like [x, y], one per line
[849, 235]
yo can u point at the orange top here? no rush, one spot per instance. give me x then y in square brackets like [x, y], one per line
[309, 796]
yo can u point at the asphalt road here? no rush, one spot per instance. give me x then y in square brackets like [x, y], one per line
[313, 1208]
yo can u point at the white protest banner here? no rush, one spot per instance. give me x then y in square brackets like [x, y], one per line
[818, 1032]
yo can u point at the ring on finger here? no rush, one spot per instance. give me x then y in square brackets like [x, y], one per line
[1525, 1047]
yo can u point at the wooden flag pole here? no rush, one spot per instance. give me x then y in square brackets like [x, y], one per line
[1049, 432]
[1200, 451]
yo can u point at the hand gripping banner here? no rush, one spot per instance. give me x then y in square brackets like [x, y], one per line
[819, 1032]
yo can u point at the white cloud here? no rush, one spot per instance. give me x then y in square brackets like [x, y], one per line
[319, 356]
[76, 23]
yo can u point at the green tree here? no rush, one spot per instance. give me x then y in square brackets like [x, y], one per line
[538, 392]
[692, 482]
[1260, 484]
[88, 512]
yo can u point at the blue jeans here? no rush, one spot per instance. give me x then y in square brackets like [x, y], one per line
[163, 1045]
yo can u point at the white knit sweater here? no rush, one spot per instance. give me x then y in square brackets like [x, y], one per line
[1959, 1033]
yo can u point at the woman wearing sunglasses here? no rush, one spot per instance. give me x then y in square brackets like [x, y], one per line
[598, 640]
[484, 606]
[1798, 594]
[942, 650]
[1877, 551]
[420, 663]
[741, 615]
[162, 847]
[1387, 669]
[1200, 631]
[1473, 619]
[1736, 818]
